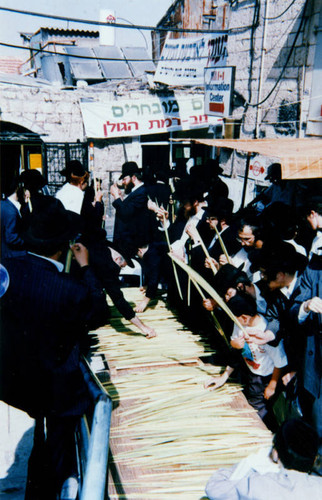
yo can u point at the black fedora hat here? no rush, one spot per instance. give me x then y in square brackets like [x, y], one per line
[73, 167]
[220, 206]
[32, 180]
[274, 171]
[213, 165]
[129, 168]
[122, 250]
[226, 278]
[51, 228]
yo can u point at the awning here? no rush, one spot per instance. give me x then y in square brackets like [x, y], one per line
[300, 158]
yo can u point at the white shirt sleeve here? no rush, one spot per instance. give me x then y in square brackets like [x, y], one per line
[302, 314]
[278, 355]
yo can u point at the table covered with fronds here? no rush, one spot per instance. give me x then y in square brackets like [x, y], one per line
[168, 433]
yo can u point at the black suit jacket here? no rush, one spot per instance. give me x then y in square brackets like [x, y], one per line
[311, 330]
[132, 219]
[154, 266]
[159, 193]
[229, 237]
[278, 317]
[44, 316]
[12, 244]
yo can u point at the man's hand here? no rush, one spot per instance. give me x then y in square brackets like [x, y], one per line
[115, 192]
[142, 305]
[179, 253]
[80, 253]
[149, 332]
[286, 379]
[192, 232]
[215, 382]
[211, 262]
[258, 337]
[238, 343]
[223, 260]
[152, 206]
[313, 305]
[98, 197]
[162, 214]
[269, 391]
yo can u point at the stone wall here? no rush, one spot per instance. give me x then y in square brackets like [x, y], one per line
[55, 115]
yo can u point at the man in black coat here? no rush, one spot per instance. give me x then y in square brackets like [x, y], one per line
[307, 311]
[12, 243]
[45, 313]
[132, 217]
[218, 215]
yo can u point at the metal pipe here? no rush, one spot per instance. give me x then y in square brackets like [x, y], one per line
[261, 71]
[94, 484]
[245, 180]
[95, 476]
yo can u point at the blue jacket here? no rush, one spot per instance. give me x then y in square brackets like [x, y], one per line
[12, 244]
[311, 286]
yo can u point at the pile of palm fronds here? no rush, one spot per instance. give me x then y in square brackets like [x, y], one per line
[126, 346]
[169, 433]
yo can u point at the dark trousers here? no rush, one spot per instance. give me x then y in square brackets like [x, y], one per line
[53, 457]
[254, 391]
[312, 413]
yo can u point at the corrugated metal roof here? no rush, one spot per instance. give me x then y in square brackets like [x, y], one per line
[300, 158]
[71, 32]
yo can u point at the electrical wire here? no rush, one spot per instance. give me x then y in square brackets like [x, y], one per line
[141, 32]
[282, 14]
[126, 26]
[100, 23]
[78, 56]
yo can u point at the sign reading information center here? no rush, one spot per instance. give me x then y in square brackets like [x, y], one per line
[219, 87]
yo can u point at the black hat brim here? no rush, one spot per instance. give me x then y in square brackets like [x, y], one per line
[122, 251]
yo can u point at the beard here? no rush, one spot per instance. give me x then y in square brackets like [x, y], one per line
[128, 188]
[190, 212]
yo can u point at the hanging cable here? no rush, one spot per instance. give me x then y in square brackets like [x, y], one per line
[90, 58]
[118, 25]
[100, 23]
[282, 14]
[286, 62]
[127, 21]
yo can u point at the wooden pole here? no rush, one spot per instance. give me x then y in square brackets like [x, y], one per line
[245, 180]
[210, 290]
[173, 265]
[214, 270]
[222, 244]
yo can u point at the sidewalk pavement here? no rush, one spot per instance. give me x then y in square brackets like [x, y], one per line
[16, 438]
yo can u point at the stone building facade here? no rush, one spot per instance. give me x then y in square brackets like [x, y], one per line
[276, 49]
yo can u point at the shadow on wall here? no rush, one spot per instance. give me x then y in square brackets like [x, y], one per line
[12, 487]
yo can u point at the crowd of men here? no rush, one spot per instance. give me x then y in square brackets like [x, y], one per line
[263, 261]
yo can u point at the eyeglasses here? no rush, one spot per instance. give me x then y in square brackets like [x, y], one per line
[247, 239]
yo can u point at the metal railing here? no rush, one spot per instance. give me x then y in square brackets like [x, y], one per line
[93, 441]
